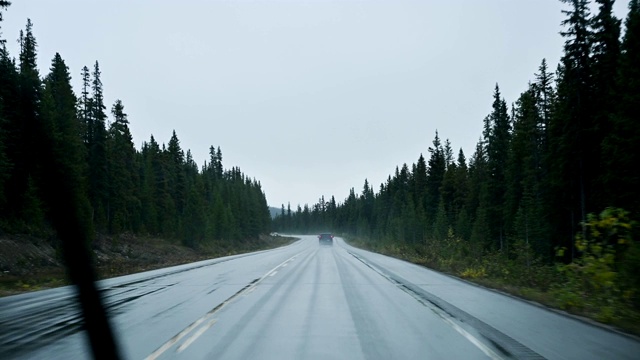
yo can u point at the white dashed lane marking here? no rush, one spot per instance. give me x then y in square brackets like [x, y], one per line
[209, 316]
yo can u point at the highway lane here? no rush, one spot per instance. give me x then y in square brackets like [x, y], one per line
[304, 301]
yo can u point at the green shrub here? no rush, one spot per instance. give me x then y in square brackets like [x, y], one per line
[601, 280]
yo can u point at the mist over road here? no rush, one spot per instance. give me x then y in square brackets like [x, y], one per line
[303, 301]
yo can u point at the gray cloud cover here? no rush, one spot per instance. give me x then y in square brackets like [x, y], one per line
[309, 97]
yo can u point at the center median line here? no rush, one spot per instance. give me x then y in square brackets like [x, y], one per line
[195, 336]
[450, 313]
[208, 316]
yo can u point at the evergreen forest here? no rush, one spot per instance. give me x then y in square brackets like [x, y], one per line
[59, 147]
[549, 198]
[547, 202]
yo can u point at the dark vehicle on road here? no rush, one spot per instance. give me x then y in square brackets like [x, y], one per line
[325, 239]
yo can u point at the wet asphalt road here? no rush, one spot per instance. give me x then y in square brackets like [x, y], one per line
[304, 301]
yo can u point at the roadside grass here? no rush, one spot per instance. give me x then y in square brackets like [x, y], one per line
[123, 255]
[144, 254]
[545, 284]
[40, 280]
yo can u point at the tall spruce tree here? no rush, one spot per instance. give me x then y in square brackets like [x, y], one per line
[8, 144]
[419, 191]
[460, 196]
[97, 153]
[84, 108]
[177, 183]
[622, 174]
[523, 211]
[64, 163]
[123, 201]
[605, 61]
[4, 4]
[545, 97]
[448, 188]
[69, 209]
[498, 144]
[435, 175]
[571, 129]
[478, 202]
[151, 180]
[60, 117]
[27, 166]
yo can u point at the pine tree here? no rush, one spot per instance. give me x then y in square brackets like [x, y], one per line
[123, 200]
[151, 186]
[8, 145]
[97, 154]
[435, 175]
[218, 168]
[64, 196]
[448, 153]
[176, 179]
[441, 225]
[84, 108]
[288, 223]
[622, 174]
[523, 211]
[4, 4]
[194, 216]
[545, 100]
[27, 163]
[448, 192]
[59, 111]
[478, 200]
[5, 163]
[419, 191]
[545, 97]
[497, 154]
[461, 218]
[59, 127]
[571, 131]
[366, 218]
[605, 60]
[523, 147]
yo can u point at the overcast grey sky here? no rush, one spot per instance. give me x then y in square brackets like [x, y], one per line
[309, 97]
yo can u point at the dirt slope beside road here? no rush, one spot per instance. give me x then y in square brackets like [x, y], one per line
[28, 264]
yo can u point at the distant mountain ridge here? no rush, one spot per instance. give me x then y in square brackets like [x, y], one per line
[274, 211]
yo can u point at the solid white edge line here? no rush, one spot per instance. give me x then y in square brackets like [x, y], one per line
[472, 339]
